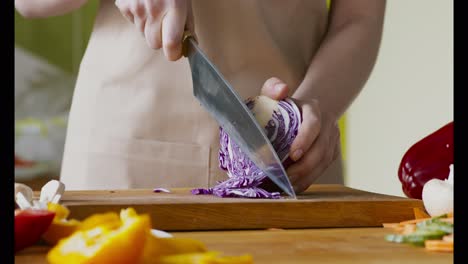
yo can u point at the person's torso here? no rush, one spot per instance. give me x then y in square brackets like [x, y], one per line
[134, 122]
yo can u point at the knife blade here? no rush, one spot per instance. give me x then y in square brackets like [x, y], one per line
[218, 97]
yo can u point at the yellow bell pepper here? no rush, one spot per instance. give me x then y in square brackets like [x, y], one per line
[61, 212]
[110, 220]
[105, 243]
[155, 248]
[210, 257]
[108, 238]
[61, 227]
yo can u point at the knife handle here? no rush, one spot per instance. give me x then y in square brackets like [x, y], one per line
[187, 35]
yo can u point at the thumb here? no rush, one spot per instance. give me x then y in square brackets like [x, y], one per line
[275, 89]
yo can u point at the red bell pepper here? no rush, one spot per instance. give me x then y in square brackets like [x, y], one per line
[429, 158]
[30, 224]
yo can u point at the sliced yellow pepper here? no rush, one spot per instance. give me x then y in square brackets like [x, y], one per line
[105, 244]
[61, 212]
[155, 248]
[110, 238]
[210, 257]
[110, 220]
[61, 227]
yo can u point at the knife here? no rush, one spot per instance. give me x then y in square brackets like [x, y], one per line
[218, 97]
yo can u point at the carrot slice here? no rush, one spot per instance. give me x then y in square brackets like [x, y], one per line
[391, 225]
[420, 213]
[397, 227]
[414, 221]
[439, 245]
[408, 229]
[448, 238]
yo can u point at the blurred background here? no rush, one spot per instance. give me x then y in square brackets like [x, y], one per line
[47, 58]
[408, 96]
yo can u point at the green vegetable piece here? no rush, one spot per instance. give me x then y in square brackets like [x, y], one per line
[394, 238]
[416, 238]
[434, 225]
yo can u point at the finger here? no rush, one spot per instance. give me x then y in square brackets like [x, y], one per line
[154, 9]
[120, 4]
[138, 9]
[303, 183]
[275, 89]
[190, 23]
[153, 33]
[139, 24]
[308, 163]
[125, 10]
[129, 16]
[173, 25]
[314, 163]
[139, 15]
[308, 132]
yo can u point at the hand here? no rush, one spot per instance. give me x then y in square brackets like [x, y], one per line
[162, 22]
[316, 145]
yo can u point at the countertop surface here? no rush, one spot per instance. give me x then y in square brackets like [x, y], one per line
[324, 245]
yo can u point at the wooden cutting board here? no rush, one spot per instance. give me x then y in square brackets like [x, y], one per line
[320, 206]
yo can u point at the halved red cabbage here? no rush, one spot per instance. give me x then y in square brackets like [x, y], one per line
[281, 121]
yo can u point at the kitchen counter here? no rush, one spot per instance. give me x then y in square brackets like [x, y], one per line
[329, 245]
[326, 224]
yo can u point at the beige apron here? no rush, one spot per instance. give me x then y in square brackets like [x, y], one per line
[134, 122]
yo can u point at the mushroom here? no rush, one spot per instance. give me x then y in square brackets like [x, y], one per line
[23, 195]
[52, 192]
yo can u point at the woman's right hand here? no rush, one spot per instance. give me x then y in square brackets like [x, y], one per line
[162, 22]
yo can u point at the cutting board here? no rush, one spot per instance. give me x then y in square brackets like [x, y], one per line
[320, 206]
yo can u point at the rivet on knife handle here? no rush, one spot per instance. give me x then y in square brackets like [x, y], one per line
[185, 38]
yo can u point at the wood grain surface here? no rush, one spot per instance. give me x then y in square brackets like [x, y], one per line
[334, 245]
[320, 206]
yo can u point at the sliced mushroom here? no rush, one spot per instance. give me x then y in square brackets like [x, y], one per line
[23, 195]
[52, 192]
[22, 202]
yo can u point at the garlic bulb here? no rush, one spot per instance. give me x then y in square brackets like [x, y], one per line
[437, 195]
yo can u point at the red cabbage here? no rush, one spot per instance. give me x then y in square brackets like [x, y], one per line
[158, 190]
[281, 121]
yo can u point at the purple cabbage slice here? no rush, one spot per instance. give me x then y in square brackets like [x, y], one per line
[158, 190]
[281, 121]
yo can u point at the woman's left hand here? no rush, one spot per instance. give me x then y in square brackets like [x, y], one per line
[316, 145]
